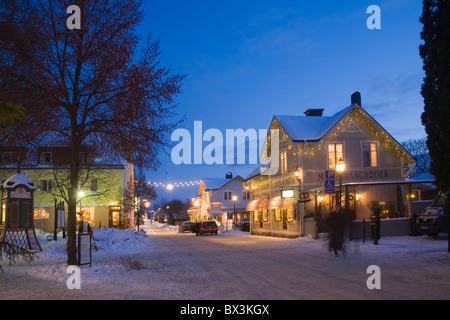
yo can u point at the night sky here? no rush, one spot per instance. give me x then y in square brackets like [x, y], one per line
[247, 61]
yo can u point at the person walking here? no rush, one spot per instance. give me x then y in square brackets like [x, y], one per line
[335, 224]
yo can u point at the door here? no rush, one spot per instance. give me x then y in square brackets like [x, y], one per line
[114, 217]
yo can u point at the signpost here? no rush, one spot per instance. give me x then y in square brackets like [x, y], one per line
[330, 182]
[60, 219]
[84, 249]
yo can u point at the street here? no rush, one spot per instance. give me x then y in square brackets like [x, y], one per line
[237, 266]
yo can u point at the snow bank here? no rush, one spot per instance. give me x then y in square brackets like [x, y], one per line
[107, 240]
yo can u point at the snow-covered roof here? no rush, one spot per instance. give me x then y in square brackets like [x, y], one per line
[304, 128]
[18, 179]
[214, 183]
[217, 183]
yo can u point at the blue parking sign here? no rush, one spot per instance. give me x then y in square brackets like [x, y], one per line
[330, 182]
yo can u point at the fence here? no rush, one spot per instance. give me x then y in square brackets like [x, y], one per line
[396, 227]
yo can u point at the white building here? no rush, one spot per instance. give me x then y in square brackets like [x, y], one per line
[223, 200]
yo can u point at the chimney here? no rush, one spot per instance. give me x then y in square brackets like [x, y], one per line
[229, 175]
[314, 112]
[356, 98]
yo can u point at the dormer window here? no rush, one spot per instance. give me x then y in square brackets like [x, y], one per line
[46, 157]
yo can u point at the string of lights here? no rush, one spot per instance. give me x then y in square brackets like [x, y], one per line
[173, 185]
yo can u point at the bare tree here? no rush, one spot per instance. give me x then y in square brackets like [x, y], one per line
[86, 86]
[419, 151]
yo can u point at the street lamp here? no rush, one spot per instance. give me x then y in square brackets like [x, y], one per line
[299, 175]
[340, 168]
[80, 195]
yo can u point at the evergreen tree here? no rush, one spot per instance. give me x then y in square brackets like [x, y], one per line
[435, 53]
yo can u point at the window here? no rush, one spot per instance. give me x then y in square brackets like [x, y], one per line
[246, 195]
[227, 195]
[45, 185]
[93, 185]
[370, 155]
[41, 213]
[335, 153]
[283, 162]
[46, 157]
[10, 157]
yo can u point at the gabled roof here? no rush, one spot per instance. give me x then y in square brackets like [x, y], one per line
[217, 183]
[314, 129]
[304, 128]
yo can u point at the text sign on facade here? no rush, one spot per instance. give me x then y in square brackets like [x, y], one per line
[286, 194]
[330, 182]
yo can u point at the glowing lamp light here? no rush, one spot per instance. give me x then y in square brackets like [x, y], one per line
[234, 198]
[340, 166]
[170, 187]
[299, 174]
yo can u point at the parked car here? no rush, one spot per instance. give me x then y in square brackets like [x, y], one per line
[185, 226]
[433, 219]
[209, 226]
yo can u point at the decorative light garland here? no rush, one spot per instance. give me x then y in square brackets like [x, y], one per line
[171, 185]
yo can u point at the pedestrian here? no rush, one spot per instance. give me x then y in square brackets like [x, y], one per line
[335, 225]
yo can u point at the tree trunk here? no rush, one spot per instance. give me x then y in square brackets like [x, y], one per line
[72, 208]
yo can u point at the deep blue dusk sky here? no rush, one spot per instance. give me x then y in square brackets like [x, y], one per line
[246, 61]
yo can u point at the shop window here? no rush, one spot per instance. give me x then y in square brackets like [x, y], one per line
[277, 215]
[41, 213]
[3, 212]
[87, 213]
[370, 155]
[335, 153]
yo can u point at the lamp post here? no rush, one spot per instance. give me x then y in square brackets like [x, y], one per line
[299, 177]
[80, 195]
[340, 168]
[234, 210]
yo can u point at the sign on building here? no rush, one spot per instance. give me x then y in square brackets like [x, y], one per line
[330, 182]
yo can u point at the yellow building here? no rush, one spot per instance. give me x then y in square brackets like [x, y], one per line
[105, 190]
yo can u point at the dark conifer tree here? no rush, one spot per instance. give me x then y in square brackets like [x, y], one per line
[435, 53]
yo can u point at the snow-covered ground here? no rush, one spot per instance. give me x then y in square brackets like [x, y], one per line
[159, 263]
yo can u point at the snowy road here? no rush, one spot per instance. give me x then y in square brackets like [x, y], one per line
[238, 266]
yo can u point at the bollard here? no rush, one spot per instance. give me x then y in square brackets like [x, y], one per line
[364, 230]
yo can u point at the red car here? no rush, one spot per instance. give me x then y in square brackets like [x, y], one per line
[209, 226]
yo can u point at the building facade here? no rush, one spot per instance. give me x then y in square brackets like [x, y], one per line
[224, 200]
[105, 193]
[308, 184]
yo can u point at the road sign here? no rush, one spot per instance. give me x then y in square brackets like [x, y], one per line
[330, 182]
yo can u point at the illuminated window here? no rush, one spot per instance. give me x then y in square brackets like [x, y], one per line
[335, 153]
[3, 212]
[283, 162]
[41, 213]
[370, 155]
